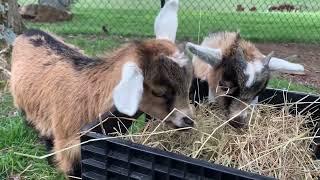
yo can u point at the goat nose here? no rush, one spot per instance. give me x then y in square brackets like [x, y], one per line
[188, 121]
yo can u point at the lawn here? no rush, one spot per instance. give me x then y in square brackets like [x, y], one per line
[135, 18]
[16, 137]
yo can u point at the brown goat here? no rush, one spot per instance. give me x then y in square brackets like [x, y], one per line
[226, 60]
[60, 89]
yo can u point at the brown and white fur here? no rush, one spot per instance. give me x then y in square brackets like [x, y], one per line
[226, 60]
[60, 89]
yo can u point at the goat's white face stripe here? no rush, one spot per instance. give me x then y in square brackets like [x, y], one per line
[252, 70]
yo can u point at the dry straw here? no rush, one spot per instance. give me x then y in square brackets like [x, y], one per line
[275, 143]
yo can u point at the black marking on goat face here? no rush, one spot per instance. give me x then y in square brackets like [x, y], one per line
[79, 61]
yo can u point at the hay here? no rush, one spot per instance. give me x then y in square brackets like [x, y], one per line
[275, 143]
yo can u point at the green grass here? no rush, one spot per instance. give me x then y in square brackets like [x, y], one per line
[16, 137]
[135, 18]
[285, 84]
[229, 5]
[138, 124]
[2, 84]
[95, 45]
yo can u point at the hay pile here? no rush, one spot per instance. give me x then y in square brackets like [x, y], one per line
[274, 144]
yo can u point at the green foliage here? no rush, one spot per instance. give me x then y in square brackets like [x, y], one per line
[15, 136]
[95, 45]
[136, 18]
[285, 84]
[138, 124]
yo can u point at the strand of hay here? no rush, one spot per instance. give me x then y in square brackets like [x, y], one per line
[274, 144]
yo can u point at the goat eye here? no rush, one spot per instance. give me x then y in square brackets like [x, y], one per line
[158, 94]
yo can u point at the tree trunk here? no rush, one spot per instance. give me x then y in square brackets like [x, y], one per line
[14, 18]
[10, 21]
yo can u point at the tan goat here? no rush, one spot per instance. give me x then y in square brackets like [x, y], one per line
[60, 89]
[225, 59]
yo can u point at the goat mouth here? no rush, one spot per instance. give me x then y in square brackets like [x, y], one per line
[185, 126]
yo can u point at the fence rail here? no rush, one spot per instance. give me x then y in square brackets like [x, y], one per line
[258, 20]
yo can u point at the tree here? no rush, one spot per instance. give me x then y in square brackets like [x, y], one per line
[14, 18]
[10, 16]
[11, 24]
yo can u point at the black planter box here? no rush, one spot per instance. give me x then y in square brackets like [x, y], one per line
[120, 159]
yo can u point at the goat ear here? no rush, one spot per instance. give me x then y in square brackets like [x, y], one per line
[128, 93]
[281, 65]
[210, 56]
[166, 23]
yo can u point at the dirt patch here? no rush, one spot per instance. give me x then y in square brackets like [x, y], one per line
[306, 54]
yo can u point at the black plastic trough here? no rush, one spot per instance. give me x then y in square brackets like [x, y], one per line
[120, 159]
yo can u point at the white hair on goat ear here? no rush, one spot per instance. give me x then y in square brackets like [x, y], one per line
[282, 65]
[166, 23]
[180, 58]
[128, 93]
[210, 56]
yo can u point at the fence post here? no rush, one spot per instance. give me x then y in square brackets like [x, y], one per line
[162, 3]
